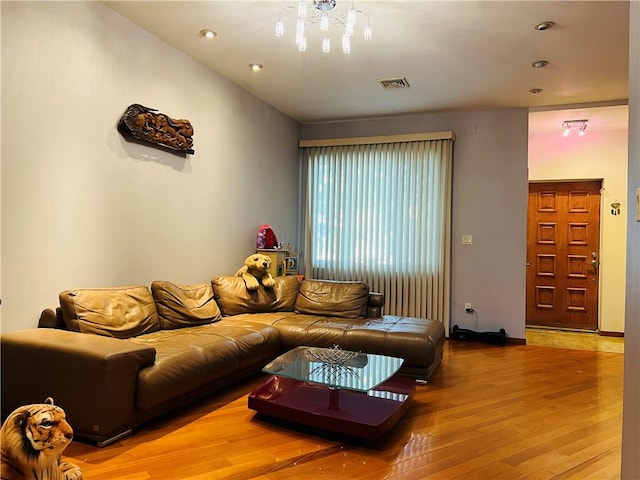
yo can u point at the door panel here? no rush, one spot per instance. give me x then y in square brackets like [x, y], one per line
[563, 254]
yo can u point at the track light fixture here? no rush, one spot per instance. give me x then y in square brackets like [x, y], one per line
[580, 125]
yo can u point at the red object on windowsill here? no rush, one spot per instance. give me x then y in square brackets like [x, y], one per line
[266, 237]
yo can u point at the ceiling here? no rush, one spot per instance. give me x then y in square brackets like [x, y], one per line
[456, 55]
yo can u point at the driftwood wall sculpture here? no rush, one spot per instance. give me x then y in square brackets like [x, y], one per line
[144, 124]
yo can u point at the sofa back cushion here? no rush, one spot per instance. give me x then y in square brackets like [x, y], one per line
[233, 297]
[184, 305]
[120, 312]
[335, 299]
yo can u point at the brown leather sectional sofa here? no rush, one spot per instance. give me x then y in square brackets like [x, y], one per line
[115, 358]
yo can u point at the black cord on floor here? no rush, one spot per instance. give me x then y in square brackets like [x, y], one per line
[471, 310]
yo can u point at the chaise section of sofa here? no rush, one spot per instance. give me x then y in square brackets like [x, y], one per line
[94, 378]
[418, 341]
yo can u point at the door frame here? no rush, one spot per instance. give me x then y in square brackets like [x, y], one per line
[599, 299]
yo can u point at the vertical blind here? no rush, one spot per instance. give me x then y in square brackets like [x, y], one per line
[380, 213]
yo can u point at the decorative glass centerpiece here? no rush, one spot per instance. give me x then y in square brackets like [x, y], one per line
[333, 356]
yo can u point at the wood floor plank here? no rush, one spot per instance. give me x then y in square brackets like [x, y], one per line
[490, 412]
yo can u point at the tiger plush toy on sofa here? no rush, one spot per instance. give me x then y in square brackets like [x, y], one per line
[31, 442]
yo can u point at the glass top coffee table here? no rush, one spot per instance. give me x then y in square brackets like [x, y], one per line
[353, 393]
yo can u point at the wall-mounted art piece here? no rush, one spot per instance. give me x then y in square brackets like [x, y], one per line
[149, 126]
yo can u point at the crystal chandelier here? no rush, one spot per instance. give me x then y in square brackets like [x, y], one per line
[324, 13]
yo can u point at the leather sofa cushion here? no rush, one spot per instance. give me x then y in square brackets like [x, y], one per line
[120, 312]
[233, 298]
[188, 359]
[184, 305]
[336, 299]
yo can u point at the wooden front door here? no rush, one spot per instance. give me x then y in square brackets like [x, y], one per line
[563, 256]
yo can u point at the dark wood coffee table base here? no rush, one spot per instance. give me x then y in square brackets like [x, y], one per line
[358, 414]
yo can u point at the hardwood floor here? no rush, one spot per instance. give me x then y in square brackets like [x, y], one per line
[490, 412]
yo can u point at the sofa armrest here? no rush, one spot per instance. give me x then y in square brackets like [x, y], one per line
[93, 378]
[375, 305]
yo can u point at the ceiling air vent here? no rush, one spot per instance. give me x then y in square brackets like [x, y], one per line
[392, 83]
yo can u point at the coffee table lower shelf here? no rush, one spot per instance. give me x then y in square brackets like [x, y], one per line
[366, 415]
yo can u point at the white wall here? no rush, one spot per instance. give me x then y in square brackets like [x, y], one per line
[597, 155]
[489, 202]
[82, 207]
[631, 410]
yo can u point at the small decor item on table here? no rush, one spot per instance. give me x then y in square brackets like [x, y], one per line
[291, 261]
[256, 268]
[338, 357]
[291, 264]
[142, 123]
[333, 355]
[336, 364]
[32, 440]
[266, 237]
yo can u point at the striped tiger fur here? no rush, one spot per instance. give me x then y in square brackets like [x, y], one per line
[32, 440]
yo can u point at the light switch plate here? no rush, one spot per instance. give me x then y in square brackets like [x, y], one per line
[467, 239]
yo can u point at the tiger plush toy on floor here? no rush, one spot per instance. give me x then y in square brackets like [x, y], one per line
[32, 440]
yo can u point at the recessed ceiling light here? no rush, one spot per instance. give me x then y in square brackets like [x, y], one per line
[544, 25]
[206, 33]
[256, 67]
[539, 64]
[535, 91]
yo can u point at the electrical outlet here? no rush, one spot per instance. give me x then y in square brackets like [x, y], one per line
[467, 307]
